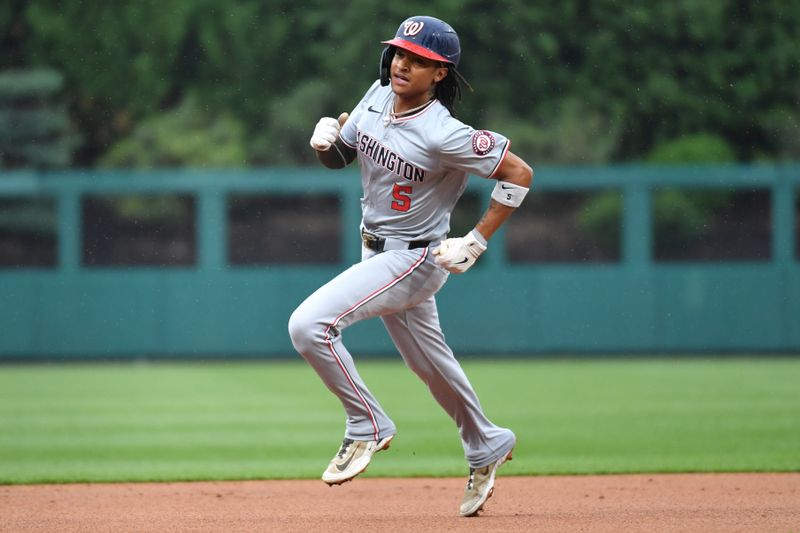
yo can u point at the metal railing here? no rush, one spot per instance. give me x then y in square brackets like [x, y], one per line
[211, 309]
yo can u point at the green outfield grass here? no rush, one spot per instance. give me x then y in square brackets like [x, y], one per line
[114, 422]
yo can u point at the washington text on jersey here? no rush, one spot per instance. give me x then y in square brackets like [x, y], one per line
[388, 159]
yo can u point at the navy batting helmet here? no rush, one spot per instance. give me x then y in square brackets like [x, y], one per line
[428, 37]
[434, 39]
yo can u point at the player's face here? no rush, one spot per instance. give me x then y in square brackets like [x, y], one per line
[414, 76]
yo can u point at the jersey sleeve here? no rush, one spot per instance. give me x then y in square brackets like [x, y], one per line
[478, 152]
[348, 132]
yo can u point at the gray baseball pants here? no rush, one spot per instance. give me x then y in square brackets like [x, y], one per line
[399, 286]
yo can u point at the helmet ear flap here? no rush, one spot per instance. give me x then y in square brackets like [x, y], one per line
[386, 61]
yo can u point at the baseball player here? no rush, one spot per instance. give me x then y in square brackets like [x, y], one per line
[414, 157]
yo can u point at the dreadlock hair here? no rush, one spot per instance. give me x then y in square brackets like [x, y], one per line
[448, 91]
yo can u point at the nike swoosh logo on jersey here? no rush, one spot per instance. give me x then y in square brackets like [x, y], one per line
[462, 262]
[372, 110]
[504, 187]
[342, 467]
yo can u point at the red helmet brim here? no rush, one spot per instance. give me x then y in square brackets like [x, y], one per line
[416, 49]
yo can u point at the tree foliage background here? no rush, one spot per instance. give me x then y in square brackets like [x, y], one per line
[241, 83]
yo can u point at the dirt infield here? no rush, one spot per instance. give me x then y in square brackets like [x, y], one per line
[652, 503]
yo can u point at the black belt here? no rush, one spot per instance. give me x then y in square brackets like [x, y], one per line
[377, 244]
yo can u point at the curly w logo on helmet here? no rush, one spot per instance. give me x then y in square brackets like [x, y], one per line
[413, 27]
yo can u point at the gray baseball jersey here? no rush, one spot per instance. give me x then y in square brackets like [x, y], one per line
[413, 168]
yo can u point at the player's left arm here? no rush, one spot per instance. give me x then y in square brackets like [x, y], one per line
[514, 177]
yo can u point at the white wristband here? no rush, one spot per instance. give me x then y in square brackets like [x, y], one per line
[509, 194]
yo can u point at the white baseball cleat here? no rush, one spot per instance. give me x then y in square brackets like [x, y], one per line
[480, 486]
[352, 459]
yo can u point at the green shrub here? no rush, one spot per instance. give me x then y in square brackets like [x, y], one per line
[601, 218]
[187, 136]
[679, 215]
[694, 148]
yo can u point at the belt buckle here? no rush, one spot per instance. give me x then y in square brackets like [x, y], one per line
[370, 241]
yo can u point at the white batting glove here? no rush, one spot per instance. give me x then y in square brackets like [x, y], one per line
[458, 254]
[325, 134]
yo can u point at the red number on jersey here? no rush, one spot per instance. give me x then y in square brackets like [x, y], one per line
[402, 197]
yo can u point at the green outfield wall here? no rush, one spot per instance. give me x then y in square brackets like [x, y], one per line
[212, 308]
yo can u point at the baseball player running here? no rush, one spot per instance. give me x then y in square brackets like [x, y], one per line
[414, 157]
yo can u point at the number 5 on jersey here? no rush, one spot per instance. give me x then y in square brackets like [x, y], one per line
[402, 197]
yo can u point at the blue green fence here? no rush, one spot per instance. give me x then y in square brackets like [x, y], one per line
[214, 309]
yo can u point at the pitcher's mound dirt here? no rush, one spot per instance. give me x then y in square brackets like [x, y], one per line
[651, 503]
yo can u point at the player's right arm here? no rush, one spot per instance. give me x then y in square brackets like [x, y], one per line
[515, 173]
[331, 150]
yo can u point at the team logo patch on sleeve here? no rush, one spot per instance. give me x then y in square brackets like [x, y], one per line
[482, 142]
